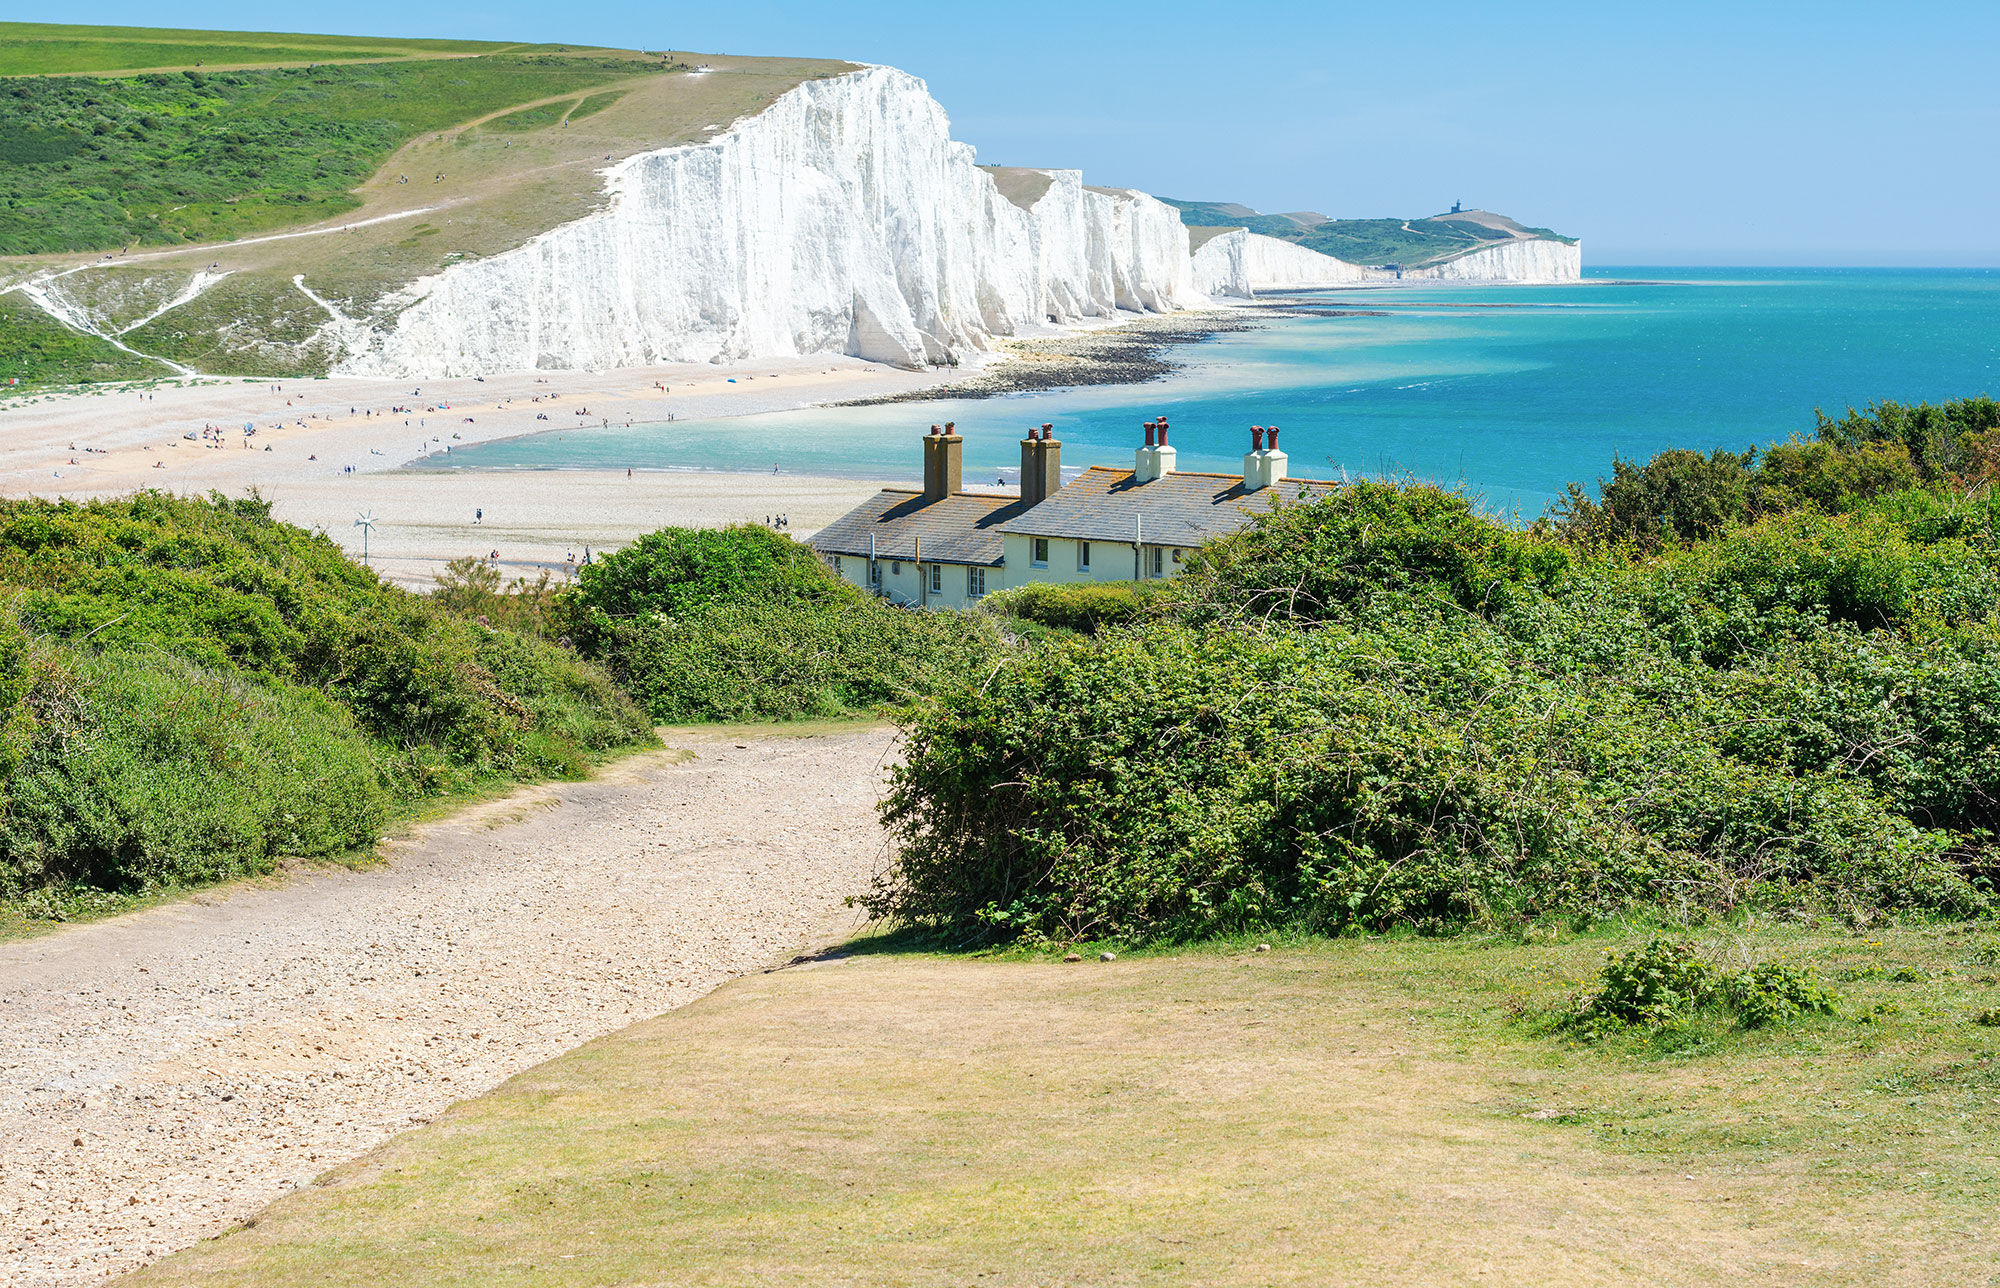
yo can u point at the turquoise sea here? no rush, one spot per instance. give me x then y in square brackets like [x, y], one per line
[1510, 391]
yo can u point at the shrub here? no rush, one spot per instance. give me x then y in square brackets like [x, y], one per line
[1366, 542]
[1081, 607]
[1676, 496]
[193, 689]
[786, 661]
[1665, 984]
[1660, 984]
[1771, 993]
[678, 570]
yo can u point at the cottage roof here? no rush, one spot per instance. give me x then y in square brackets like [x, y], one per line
[1174, 510]
[963, 528]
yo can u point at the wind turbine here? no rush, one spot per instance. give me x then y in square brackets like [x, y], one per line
[364, 521]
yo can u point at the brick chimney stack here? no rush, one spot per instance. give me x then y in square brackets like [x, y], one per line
[944, 462]
[1041, 465]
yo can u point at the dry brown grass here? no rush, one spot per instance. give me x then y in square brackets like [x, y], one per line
[1355, 1113]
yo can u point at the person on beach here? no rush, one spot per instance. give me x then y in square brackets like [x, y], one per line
[477, 515]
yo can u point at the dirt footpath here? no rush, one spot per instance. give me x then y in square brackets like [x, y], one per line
[165, 1075]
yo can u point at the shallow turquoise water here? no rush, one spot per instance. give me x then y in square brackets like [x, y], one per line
[1510, 391]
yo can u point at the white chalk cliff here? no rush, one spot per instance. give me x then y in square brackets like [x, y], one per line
[842, 219]
[1539, 260]
[1241, 263]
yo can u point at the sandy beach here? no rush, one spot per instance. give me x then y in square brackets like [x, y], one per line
[324, 451]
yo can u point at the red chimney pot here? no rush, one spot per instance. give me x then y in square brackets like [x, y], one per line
[1274, 438]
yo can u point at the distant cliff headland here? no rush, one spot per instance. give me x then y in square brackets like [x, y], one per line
[222, 203]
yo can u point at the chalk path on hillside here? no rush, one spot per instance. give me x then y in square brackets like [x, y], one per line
[165, 1075]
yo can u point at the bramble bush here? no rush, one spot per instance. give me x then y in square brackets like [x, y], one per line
[193, 690]
[743, 623]
[1383, 709]
[1666, 985]
[1077, 606]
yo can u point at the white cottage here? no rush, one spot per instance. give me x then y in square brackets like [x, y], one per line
[944, 547]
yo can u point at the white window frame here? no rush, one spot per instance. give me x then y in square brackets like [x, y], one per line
[975, 583]
[1083, 556]
[1158, 561]
[1038, 551]
[937, 579]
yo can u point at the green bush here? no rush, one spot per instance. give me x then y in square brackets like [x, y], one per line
[675, 570]
[788, 661]
[192, 689]
[1662, 983]
[145, 771]
[1666, 985]
[1772, 993]
[1372, 712]
[1369, 541]
[1081, 606]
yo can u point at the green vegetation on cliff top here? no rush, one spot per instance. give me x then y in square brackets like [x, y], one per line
[1405, 243]
[91, 163]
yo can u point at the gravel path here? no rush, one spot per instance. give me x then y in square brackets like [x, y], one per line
[165, 1075]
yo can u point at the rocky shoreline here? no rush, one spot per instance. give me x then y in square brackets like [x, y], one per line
[1133, 353]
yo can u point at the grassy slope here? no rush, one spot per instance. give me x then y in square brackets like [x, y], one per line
[94, 164]
[1359, 1112]
[37, 349]
[520, 138]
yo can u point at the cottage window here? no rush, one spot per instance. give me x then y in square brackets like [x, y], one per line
[937, 579]
[1177, 554]
[896, 567]
[975, 582]
[1157, 552]
[1083, 556]
[1040, 556]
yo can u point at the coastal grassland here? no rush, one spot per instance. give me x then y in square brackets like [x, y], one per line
[38, 350]
[170, 158]
[191, 691]
[48, 48]
[1410, 243]
[1359, 1111]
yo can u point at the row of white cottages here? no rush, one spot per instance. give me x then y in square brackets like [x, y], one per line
[945, 547]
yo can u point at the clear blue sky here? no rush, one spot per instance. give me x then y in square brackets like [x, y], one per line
[1814, 133]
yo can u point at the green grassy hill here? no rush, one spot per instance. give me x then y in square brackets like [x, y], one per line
[89, 163]
[1404, 243]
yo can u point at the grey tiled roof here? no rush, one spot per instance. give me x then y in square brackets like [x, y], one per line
[963, 528]
[1177, 510]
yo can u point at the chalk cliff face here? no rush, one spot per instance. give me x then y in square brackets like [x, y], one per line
[1240, 263]
[1515, 261]
[842, 219]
